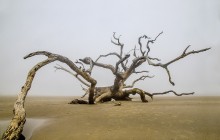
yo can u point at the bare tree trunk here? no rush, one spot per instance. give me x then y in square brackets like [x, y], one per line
[15, 127]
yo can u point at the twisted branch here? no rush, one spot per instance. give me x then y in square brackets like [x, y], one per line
[65, 60]
[165, 66]
[82, 66]
[152, 41]
[113, 53]
[16, 125]
[140, 44]
[118, 43]
[120, 62]
[175, 93]
[184, 54]
[88, 61]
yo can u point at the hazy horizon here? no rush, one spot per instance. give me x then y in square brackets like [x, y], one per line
[77, 29]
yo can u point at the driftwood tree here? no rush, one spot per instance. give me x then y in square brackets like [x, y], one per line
[121, 70]
[15, 127]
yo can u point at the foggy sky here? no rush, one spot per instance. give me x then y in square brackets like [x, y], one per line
[81, 28]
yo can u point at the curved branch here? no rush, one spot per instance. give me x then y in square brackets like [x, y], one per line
[184, 54]
[120, 62]
[65, 60]
[136, 62]
[165, 66]
[136, 91]
[48, 54]
[107, 66]
[140, 44]
[157, 59]
[118, 43]
[83, 67]
[88, 60]
[113, 53]
[134, 51]
[152, 41]
[15, 127]
[171, 91]
[168, 73]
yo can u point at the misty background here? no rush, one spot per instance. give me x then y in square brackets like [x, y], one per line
[81, 28]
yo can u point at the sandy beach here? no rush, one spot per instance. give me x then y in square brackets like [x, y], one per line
[164, 118]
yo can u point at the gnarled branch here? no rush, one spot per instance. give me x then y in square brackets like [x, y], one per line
[136, 91]
[88, 61]
[118, 43]
[140, 44]
[184, 54]
[120, 61]
[165, 66]
[80, 63]
[65, 60]
[113, 53]
[152, 41]
[171, 91]
[15, 127]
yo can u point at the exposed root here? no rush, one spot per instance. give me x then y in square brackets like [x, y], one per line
[77, 101]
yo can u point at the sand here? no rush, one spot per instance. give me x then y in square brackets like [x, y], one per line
[166, 118]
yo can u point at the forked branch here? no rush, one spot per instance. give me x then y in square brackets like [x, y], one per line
[88, 61]
[165, 66]
[15, 127]
[113, 53]
[152, 41]
[120, 62]
[140, 43]
[118, 43]
[184, 54]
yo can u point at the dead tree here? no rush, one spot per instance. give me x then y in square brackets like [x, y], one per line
[15, 127]
[121, 71]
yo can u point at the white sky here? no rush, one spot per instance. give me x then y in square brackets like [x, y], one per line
[84, 28]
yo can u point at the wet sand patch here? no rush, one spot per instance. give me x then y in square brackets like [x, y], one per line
[31, 125]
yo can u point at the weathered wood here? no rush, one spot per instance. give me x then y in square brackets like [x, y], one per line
[80, 72]
[15, 127]
[124, 72]
[77, 101]
[117, 91]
